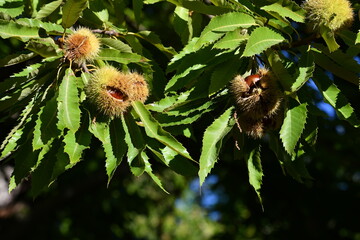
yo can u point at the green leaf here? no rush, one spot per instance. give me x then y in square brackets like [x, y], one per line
[116, 44]
[16, 58]
[108, 54]
[112, 137]
[76, 143]
[323, 61]
[148, 170]
[25, 159]
[232, 40]
[42, 175]
[12, 8]
[47, 9]
[154, 130]
[118, 147]
[287, 8]
[255, 170]
[135, 143]
[357, 38]
[10, 142]
[71, 11]
[11, 29]
[68, 102]
[177, 162]
[295, 168]
[219, 25]
[154, 39]
[45, 129]
[224, 73]
[182, 24]
[304, 72]
[43, 48]
[36, 23]
[261, 39]
[335, 98]
[281, 73]
[329, 38]
[293, 126]
[212, 142]
[203, 8]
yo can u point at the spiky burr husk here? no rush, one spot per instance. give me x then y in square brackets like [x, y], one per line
[82, 46]
[334, 14]
[258, 100]
[112, 91]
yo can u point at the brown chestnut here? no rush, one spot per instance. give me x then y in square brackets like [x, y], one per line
[252, 79]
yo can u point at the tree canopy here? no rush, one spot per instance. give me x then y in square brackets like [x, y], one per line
[192, 119]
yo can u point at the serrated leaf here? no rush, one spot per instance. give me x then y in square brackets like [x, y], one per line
[45, 129]
[261, 39]
[154, 39]
[278, 68]
[71, 11]
[232, 40]
[48, 8]
[135, 143]
[15, 59]
[212, 142]
[295, 168]
[255, 170]
[293, 126]
[357, 40]
[116, 44]
[154, 130]
[112, 137]
[336, 99]
[41, 177]
[329, 37]
[36, 23]
[148, 170]
[68, 102]
[121, 57]
[219, 25]
[306, 67]
[76, 143]
[12, 8]
[326, 63]
[202, 7]
[287, 8]
[25, 159]
[43, 48]
[345, 60]
[176, 162]
[10, 142]
[223, 74]
[11, 29]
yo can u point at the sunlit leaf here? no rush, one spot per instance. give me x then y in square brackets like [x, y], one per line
[48, 8]
[68, 102]
[9, 29]
[121, 57]
[219, 25]
[149, 171]
[255, 170]
[293, 126]
[116, 44]
[154, 130]
[287, 8]
[76, 143]
[135, 143]
[45, 129]
[212, 142]
[71, 11]
[261, 39]
[335, 98]
[306, 67]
